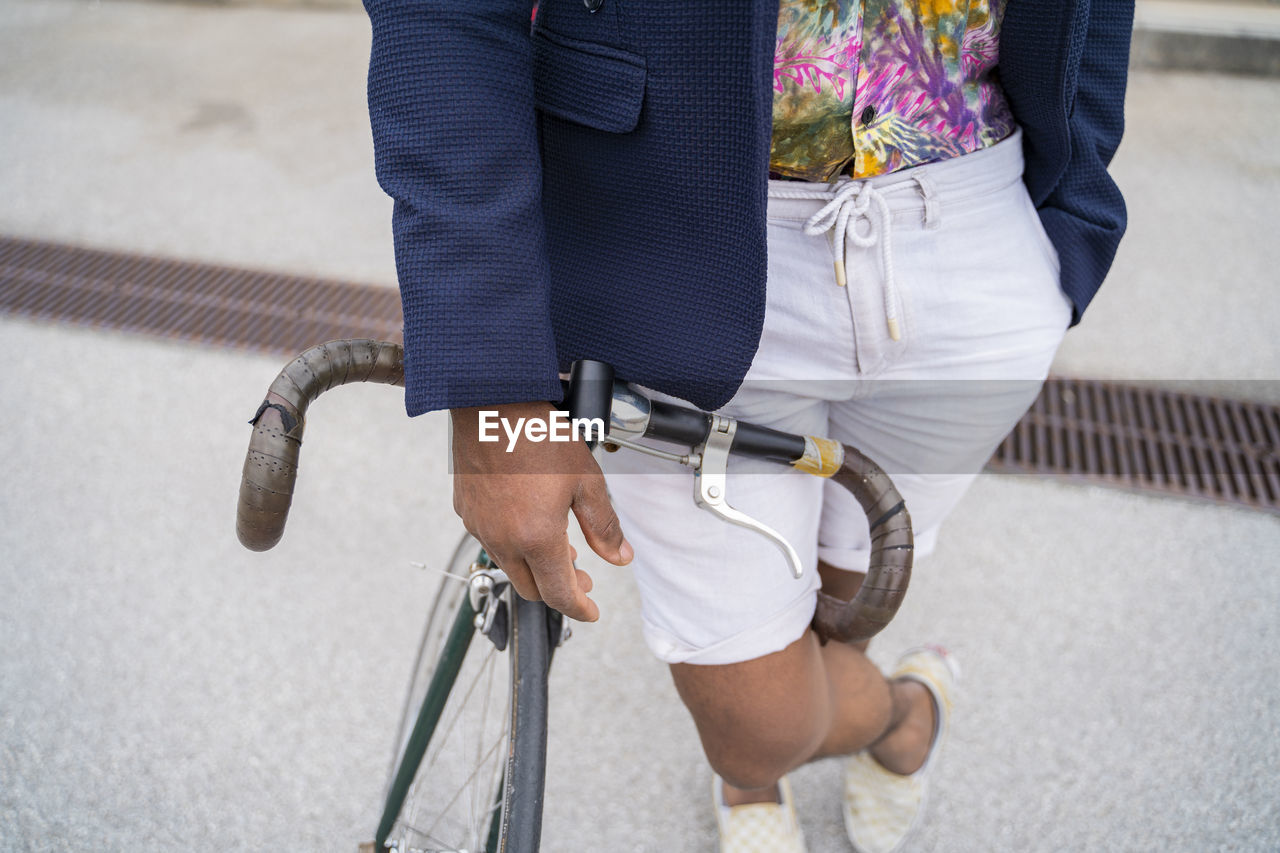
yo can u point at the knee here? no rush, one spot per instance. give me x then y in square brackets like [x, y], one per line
[760, 718]
[753, 765]
[753, 746]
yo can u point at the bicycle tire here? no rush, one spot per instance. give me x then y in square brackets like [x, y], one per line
[495, 805]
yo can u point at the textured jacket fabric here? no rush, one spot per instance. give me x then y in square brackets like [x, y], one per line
[596, 187]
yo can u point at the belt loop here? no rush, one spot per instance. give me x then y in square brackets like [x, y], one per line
[929, 192]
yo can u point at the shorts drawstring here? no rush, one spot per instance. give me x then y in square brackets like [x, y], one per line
[858, 200]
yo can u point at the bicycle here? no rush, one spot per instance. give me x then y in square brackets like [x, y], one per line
[470, 757]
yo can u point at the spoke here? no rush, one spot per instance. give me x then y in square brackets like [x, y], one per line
[439, 739]
[458, 714]
[427, 838]
[465, 782]
[486, 673]
[408, 827]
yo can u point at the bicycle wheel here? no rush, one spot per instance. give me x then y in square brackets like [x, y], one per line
[467, 774]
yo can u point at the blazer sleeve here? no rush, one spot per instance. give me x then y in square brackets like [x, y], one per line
[1085, 213]
[456, 148]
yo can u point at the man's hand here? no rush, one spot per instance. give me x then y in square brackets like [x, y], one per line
[517, 504]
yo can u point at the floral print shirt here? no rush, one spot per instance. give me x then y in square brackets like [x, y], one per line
[867, 87]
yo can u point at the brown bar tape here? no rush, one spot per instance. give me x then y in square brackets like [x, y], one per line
[892, 549]
[271, 463]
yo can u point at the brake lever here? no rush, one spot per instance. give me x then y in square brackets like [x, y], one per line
[709, 474]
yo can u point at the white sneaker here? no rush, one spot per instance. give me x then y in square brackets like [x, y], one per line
[882, 808]
[758, 827]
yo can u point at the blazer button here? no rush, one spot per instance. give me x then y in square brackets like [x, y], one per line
[593, 6]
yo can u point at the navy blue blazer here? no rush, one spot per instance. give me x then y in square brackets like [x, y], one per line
[596, 187]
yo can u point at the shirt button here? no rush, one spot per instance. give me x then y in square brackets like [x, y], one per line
[593, 5]
[868, 115]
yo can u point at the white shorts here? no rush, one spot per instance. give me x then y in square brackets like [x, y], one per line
[980, 314]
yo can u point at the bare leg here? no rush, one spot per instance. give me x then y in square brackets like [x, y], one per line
[905, 745]
[761, 718]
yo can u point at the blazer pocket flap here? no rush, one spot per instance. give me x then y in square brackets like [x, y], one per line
[587, 83]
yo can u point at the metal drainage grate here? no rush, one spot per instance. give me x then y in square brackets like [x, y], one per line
[1150, 439]
[225, 306]
[1132, 436]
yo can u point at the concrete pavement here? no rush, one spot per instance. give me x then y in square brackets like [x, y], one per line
[1207, 35]
[161, 687]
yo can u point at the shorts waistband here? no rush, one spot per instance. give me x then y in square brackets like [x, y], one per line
[838, 209]
[947, 181]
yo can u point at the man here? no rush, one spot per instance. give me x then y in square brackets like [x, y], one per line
[599, 187]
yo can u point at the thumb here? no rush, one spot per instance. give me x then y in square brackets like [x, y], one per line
[599, 523]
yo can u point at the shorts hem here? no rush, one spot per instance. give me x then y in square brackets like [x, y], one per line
[773, 635]
[846, 559]
[859, 559]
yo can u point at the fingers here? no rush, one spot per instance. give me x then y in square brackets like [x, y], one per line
[518, 511]
[546, 573]
[599, 523]
[521, 578]
[584, 579]
[558, 580]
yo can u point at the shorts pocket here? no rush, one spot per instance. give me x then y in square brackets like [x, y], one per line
[1042, 236]
[1050, 254]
